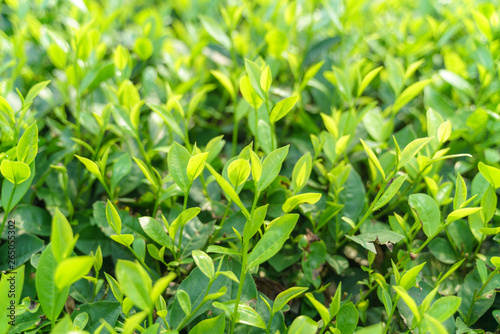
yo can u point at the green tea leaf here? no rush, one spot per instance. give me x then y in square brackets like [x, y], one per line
[147, 173]
[123, 239]
[409, 94]
[204, 262]
[367, 79]
[390, 192]
[286, 296]
[426, 211]
[373, 158]
[156, 231]
[460, 192]
[51, 298]
[143, 47]
[61, 237]
[256, 166]
[303, 325]
[254, 73]
[490, 173]
[295, 200]
[228, 189]
[272, 241]
[444, 307]
[301, 172]
[215, 30]
[113, 217]
[178, 160]
[435, 326]
[444, 131]
[458, 82]
[15, 171]
[91, 167]
[238, 172]
[322, 310]
[408, 279]
[226, 82]
[411, 150]
[213, 325]
[461, 213]
[195, 165]
[184, 301]
[408, 300]
[282, 108]
[121, 57]
[72, 269]
[121, 168]
[347, 318]
[256, 221]
[249, 93]
[247, 315]
[266, 79]
[271, 167]
[27, 148]
[135, 283]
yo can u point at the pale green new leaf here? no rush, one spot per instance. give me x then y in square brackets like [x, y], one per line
[27, 147]
[373, 158]
[282, 108]
[390, 192]
[226, 82]
[72, 269]
[15, 171]
[411, 150]
[195, 165]
[238, 172]
[91, 167]
[284, 297]
[295, 200]
[271, 167]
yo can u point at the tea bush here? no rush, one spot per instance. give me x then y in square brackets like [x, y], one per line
[249, 167]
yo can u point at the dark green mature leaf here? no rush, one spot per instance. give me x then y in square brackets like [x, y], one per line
[272, 241]
[347, 318]
[468, 293]
[442, 250]
[98, 311]
[51, 298]
[196, 284]
[426, 211]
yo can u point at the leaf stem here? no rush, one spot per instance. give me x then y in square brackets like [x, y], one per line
[184, 207]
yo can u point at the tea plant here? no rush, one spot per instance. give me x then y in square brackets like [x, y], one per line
[249, 167]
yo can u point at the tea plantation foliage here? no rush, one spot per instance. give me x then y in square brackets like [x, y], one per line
[270, 166]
